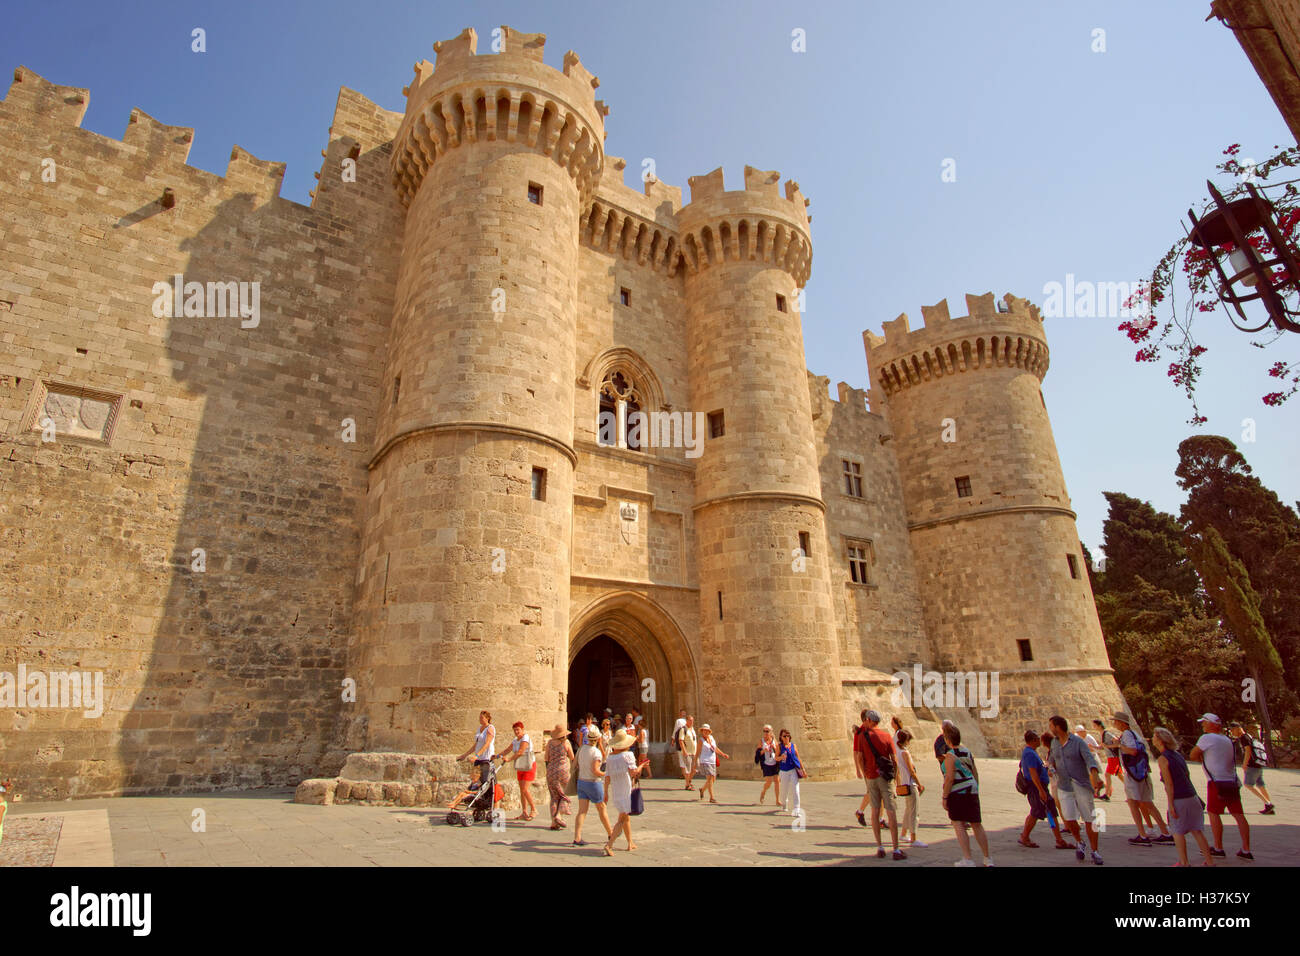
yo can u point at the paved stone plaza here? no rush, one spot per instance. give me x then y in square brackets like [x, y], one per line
[267, 829]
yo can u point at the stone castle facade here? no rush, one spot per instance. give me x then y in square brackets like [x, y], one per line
[390, 472]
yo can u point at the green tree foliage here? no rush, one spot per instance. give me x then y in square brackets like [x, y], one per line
[1228, 587]
[1257, 529]
[1173, 675]
[1170, 660]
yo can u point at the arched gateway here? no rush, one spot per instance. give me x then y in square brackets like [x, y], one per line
[625, 647]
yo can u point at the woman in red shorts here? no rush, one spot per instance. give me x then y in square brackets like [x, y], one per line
[521, 751]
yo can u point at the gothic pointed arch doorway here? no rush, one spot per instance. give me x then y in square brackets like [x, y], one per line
[625, 651]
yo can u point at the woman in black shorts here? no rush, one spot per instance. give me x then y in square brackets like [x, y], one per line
[961, 796]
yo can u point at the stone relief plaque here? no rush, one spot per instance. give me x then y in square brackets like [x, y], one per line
[76, 412]
[627, 518]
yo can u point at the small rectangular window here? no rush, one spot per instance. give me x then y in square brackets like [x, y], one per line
[716, 425]
[780, 302]
[719, 605]
[963, 486]
[535, 194]
[804, 545]
[852, 478]
[624, 296]
[860, 557]
[539, 484]
[1074, 565]
[397, 387]
[1026, 653]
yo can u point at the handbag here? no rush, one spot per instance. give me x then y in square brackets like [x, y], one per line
[903, 790]
[1229, 790]
[524, 761]
[638, 802]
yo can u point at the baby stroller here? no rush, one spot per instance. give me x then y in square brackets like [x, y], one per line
[482, 800]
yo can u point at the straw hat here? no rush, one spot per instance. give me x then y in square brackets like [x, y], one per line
[622, 741]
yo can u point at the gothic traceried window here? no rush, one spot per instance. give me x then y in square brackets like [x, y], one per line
[619, 399]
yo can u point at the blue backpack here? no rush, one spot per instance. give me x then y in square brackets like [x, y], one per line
[1137, 765]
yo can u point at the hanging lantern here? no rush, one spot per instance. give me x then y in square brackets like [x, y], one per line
[1226, 234]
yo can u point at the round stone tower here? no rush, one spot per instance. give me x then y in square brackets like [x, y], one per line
[769, 651]
[464, 578]
[999, 564]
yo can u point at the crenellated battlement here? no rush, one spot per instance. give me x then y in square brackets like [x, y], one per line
[170, 143]
[64, 105]
[756, 224]
[512, 96]
[984, 338]
[167, 146]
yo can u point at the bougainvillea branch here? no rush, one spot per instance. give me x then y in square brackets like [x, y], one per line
[1174, 339]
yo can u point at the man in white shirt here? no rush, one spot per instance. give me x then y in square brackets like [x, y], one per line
[1223, 791]
[686, 751]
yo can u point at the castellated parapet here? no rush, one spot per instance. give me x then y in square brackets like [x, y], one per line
[397, 477]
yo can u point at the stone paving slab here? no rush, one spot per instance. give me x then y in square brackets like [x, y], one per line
[262, 828]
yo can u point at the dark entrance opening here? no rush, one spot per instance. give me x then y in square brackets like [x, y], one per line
[602, 675]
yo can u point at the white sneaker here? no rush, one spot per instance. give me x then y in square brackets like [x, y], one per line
[988, 861]
[964, 863]
[918, 844]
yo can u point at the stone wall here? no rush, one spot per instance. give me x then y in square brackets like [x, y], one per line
[196, 433]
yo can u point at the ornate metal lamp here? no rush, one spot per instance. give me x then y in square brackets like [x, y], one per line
[1252, 278]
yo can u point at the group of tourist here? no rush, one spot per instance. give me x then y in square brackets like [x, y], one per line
[1072, 772]
[1062, 774]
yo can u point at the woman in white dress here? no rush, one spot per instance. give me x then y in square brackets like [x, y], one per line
[621, 769]
[709, 754]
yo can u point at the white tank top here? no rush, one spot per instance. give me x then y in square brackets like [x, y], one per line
[708, 751]
[904, 775]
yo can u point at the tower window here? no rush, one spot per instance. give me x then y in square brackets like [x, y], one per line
[805, 546]
[624, 296]
[1026, 653]
[716, 425]
[1074, 565]
[963, 486]
[539, 484]
[719, 605]
[852, 478]
[780, 303]
[861, 555]
[535, 194]
[620, 422]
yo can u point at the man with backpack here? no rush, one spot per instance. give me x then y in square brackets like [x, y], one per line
[1032, 781]
[1253, 758]
[1222, 790]
[684, 742]
[1139, 792]
[876, 759]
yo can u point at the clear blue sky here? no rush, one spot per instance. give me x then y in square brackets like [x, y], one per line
[1067, 161]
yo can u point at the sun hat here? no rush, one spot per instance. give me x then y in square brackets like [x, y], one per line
[706, 727]
[1122, 717]
[558, 731]
[622, 740]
